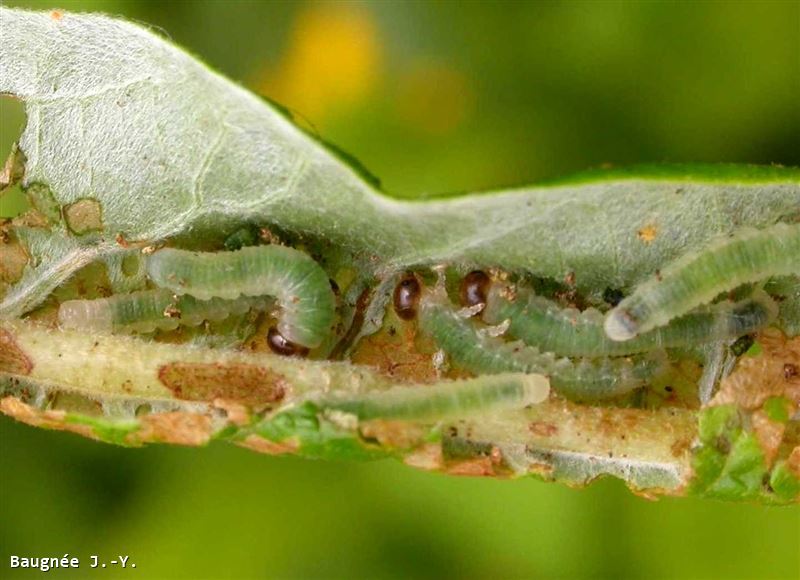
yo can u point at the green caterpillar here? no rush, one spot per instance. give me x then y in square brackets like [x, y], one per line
[301, 287]
[480, 353]
[456, 398]
[697, 278]
[153, 149]
[148, 310]
[569, 332]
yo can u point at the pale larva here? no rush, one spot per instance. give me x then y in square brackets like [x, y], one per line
[445, 399]
[544, 324]
[148, 310]
[301, 287]
[698, 278]
[480, 353]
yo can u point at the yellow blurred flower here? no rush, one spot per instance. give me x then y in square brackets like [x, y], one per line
[332, 60]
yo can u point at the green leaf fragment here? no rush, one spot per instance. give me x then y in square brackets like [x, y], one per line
[777, 409]
[111, 431]
[755, 350]
[784, 482]
[744, 472]
[316, 434]
[730, 463]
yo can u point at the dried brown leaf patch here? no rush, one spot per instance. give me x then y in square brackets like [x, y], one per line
[758, 378]
[234, 382]
[13, 359]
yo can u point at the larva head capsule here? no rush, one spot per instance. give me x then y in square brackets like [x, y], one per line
[279, 344]
[406, 297]
[475, 288]
[620, 325]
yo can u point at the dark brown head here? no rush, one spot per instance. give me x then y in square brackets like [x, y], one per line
[406, 297]
[475, 288]
[279, 344]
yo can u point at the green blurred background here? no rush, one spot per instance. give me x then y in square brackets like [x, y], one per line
[432, 97]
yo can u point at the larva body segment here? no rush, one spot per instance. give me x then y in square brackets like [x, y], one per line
[698, 278]
[481, 353]
[148, 310]
[300, 286]
[456, 398]
[790, 315]
[542, 323]
[788, 292]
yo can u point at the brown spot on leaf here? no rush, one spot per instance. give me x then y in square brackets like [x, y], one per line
[490, 465]
[648, 233]
[680, 447]
[56, 15]
[757, 378]
[239, 382]
[31, 219]
[403, 355]
[793, 462]
[652, 494]
[428, 457]
[13, 259]
[49, 419]
[13, 359]
[769, 434]
[256, 443]
[84, 216]
[178, 427]
[543, 429]
[478, 467]
[393, 434]
[237, 413]
[544, 470]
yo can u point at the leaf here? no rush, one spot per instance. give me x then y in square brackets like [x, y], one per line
[164, 145]
[131, 142]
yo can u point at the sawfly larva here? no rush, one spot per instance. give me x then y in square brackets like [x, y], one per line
[699, 277]
[148, 310]
[300, 286]
[132, 146]
[543, 323]
[447, 399]
[480, 353]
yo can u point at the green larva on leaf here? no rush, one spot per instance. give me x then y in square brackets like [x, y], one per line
[155, 150]
[699, 277]
[480, 353]
[542, 323]
[446, 399]
[301, 287]
[148, 310]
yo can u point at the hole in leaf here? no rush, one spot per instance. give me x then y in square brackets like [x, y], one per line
[12, 120]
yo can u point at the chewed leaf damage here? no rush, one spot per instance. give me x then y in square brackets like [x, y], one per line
[195, 267]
